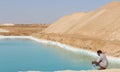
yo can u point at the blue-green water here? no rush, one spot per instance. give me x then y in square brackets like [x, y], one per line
[26, 55]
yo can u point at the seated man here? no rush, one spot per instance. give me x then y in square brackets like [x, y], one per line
[102, 61]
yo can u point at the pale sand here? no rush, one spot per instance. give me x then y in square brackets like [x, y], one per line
[7, 24]
[108, 70]
[3, 30]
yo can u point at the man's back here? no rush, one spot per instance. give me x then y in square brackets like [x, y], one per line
[103, 60]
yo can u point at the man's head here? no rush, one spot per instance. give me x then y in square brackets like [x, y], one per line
[99, 52]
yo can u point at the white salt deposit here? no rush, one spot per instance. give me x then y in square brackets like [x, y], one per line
[67, 47]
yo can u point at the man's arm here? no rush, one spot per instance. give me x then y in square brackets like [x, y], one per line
[99, 60]
[95, 62]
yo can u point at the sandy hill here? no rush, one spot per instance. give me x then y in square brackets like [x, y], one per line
[102, 23]
[98, 29]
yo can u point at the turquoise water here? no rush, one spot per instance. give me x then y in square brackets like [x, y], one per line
[17, 55]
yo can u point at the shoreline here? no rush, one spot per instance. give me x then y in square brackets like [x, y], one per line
[69, 48]
[64, 46]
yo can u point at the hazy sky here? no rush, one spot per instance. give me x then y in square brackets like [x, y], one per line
[43, 11]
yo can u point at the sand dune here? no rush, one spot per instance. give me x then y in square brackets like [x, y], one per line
[98, 29]
[102, 23]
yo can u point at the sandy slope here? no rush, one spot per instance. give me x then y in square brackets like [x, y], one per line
[99, 29]
[102, 23]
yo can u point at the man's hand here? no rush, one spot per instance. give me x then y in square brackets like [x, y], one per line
[95, 62]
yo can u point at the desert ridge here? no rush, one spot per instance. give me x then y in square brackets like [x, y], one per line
[102, 23]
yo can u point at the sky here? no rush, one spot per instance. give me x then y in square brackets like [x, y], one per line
[44, 11]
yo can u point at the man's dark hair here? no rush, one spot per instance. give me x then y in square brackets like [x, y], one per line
[99, 51]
